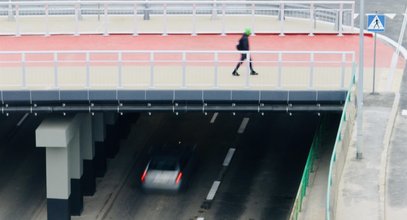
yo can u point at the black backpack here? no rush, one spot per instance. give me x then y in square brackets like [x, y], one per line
[239, 46]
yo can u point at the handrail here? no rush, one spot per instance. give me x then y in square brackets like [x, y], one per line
[343, 121]
[309, 165]
[184, 65]
[173, 2]
[339, 13]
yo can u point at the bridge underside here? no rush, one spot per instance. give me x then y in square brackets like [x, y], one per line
[123, 101]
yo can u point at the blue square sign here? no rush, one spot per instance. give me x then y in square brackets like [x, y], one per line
[376, 23]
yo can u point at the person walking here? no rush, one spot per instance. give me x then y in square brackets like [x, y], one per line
[244, 46]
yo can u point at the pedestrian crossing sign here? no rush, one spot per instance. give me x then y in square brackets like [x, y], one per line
[376, 23]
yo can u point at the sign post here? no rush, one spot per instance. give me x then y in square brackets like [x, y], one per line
[375, 23]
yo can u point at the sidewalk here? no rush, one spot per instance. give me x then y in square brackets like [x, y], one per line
[396, 176]
[359, 189]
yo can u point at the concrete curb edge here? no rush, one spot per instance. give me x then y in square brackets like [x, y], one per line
[385, 157]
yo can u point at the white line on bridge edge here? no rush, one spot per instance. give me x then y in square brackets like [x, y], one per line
[213, 190]
[243, 125]
[404, 112]
[214, 117]
[22, 119]
[228, 157]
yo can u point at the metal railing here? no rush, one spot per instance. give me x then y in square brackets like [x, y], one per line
[261, 16]
[176, 69]
[340, 149]
[309, 167]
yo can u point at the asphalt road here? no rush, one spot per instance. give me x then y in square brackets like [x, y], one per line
[22, 170]
[260, 183]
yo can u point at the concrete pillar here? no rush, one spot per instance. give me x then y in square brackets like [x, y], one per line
[76, 168]
[99, 134]
[112, 134]
[58, 136]
[87, 147]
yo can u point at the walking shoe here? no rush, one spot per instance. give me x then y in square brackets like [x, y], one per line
[254, 73]
[235, 73]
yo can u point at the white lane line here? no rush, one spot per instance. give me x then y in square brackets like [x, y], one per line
[243, 125]
[404, 112]
[228, 157]
[22, 119]
[213, 190]
[200, 218]
[214, 117]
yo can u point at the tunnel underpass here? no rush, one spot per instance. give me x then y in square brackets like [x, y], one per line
[261, 181]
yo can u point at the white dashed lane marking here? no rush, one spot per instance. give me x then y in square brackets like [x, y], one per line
[213, 190]
[228, 157]
[243, 125]
[404, 112]
[22, 119]
[214, 117]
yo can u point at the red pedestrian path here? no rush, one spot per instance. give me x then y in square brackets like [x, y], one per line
[202, 42]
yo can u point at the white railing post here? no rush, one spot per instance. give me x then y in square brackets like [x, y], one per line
[10, 11]
[18, 20]
[165, 20]
[312, 19]
[184, 59]
[80, 11]
[311, 72]
[23, 70]
[352, 19]
[151, 69]
[343, 70]
[340, 19]
[87, 70]
[194, 20]
[55, 70]
[106, 33]
[216, 61]
[223, 19]
[135, 31]
[253, 13]
[280, 69]
[46, 20]
[214, 11]
[120, 70]
[282, 18]
[76, 19]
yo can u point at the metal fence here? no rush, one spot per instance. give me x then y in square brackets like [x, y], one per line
[308, 169]
[193, 17]
[340, 150]
[327, 70]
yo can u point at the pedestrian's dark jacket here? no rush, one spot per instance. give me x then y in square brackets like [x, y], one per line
[243, 43]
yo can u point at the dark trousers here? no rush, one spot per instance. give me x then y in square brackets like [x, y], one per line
[242, 58]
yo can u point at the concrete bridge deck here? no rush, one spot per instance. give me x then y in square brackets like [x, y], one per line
[91, 62]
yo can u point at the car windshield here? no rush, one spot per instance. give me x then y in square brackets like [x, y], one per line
[163, 163]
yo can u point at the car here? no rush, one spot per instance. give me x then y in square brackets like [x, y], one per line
[169, 168]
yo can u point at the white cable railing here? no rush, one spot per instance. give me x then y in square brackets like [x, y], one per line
[279, 70]
[166, 17]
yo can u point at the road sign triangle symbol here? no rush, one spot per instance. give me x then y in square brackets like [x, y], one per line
[376, 24]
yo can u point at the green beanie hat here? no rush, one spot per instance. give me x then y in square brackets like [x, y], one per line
[247, 31]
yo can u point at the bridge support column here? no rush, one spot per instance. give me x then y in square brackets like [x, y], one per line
[76, 168]
[87, 153]
[99, 134]
[60, 136]
[112, 131]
